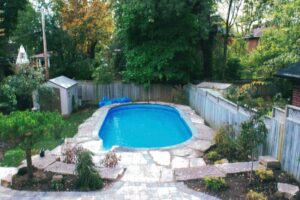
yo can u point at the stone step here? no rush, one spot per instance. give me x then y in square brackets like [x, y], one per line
[61, 168]
[269, 162]
[6, 174]
[218, 170]
[238, 167]
[111, 173]
[287, 191]
[197, 173]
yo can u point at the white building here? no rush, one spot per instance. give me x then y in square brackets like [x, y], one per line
[22, 58]
[68, 94]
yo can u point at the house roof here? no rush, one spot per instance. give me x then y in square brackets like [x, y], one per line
[63, 81]
[256, 33]
[41, 55]
[292, 71]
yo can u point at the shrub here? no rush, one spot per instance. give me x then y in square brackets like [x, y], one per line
[13, 157]
[226, 143]
[88, 177]
[255, 196]
[213, 156]
[111, 160]
[214, 183]
[56, 185]
[265, 175]
[222, 161]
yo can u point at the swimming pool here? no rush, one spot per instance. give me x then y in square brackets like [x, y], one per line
[143, 126]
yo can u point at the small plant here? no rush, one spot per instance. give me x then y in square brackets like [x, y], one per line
[111, 160]
[252, 195]
[222, 161]
[213, 156]
[214, 183]
[57, 185]
[226, 143]
[88, 177]
[265, 175]
[70, 153]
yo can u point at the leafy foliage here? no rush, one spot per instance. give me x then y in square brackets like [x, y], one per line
[13, 157]
[265, 174]
[161, 37]
[279, 44]
[226, 144]
[16, 90]
[214, 183]
[252, 195]
[88, 177]
[213, 156]
[88, 22]
[253, 134]
[27, 128]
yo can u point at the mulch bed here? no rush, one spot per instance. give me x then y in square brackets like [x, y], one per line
[238, 186]
[42, 182]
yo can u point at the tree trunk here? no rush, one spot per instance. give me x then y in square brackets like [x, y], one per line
[29, 163]
[251, 172]
[28, 158]
[226, 37]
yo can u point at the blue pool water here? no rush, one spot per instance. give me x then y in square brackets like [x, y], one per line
[143, 126]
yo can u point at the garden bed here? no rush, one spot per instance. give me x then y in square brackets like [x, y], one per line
[238, 186]
[42, 181]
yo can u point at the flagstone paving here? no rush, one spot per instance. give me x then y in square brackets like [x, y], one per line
[144, 173]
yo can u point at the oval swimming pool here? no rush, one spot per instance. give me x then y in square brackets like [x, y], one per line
[143, 126]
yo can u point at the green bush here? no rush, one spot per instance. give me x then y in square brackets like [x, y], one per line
[213, 156]
[88, 177]
[222, 161]
[57, 186]
[13, 157]
[226, 144]
[264, 174]
[214, 183]
[255, 196]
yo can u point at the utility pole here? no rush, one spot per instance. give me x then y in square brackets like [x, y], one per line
[45, 47]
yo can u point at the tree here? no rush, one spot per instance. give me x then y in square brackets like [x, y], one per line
[9, 16]
[27, 128]
[232, 8]
[279, 44]
[254, 12]
[19, 87]
[253, 133]
[162, 39]
[89, 23]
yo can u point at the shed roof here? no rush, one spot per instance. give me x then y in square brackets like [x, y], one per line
[214, 85]
[63, 81]
[292, 71]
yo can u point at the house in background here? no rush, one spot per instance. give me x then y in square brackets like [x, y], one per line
[22, 58]
[38, 60]
[253, 39]
[292, 72]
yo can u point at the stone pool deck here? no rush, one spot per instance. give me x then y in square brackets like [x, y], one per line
[147, 173]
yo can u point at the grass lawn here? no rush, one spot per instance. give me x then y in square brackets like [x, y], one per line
[15, 155]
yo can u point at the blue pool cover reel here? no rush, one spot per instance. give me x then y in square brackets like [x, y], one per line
[106, 101]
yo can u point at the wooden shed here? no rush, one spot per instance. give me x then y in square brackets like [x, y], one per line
[68, 89]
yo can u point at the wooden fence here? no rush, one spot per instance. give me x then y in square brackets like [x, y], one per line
[283, 140]
[92, 92]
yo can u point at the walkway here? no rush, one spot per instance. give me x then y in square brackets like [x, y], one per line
[149, 172]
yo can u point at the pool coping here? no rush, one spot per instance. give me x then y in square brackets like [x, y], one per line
[186, 119]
